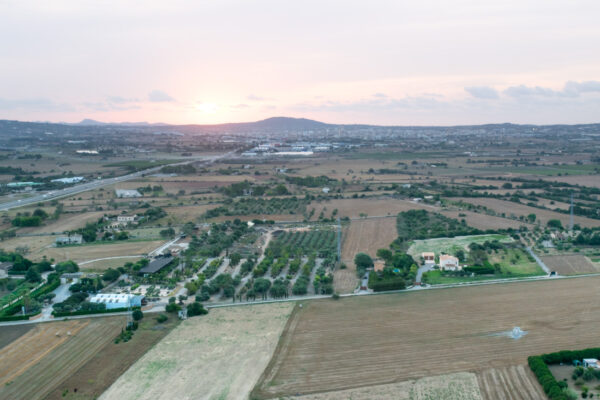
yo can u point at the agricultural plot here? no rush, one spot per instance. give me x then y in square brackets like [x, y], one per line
[364, 235]
[260, 206]
[318, 241]
[514, 382]
[459, 386]
[10, 333]
[509, 208]
[484, 221]
[366, 341]
[355, 208]
[101, 250]
[217, 356]
[451, 245]
[573, 264]
[46, 373]
[104, 368]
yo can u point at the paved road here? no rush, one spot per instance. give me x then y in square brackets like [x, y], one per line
[422, 269]
[538, 260]
[95, 184]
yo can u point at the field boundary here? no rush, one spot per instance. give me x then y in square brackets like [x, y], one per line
[280, 350]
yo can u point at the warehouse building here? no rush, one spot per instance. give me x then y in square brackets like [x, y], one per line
[117, 300]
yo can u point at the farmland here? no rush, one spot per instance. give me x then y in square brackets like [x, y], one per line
[42, 376]
[246, 335]
[355, 208]
[572, 264]
[458, 386]
[450, 245]
[514, 382]
[362, 341]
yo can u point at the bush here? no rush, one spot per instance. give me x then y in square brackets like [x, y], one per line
[137, 315]
[172, 308]
[196, 309]
[161, 318]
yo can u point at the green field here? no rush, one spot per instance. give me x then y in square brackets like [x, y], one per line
[450, 245]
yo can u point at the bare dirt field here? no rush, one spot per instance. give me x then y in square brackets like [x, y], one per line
[92, 252]
[514, 382]
[364, 235]
[43, 376]
[34, 345]
[572, 264]
[365, 341]
[372, 207]
[483, 221]
[459, 386]
[10, 333]
[217, 356]
[95, 376]
[509, 207]
[66, 222]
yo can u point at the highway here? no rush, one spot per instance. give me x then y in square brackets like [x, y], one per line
[95, 184]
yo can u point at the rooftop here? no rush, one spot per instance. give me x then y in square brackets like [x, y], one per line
[156, 265]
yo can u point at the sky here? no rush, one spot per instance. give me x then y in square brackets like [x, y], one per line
[399, 62]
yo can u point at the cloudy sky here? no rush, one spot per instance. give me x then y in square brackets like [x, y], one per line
[383, 62]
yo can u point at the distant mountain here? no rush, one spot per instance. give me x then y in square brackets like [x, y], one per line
[269, 124]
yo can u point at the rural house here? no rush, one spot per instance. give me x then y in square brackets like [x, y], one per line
[428, 258]
[449, 263]
[66, 240]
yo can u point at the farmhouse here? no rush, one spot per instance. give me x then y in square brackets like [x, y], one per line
[590, 363]
[428, 258]
[116, 300]
[126, 193]
[71, 239]
[4, 268]
[449, 263]
[156, 265]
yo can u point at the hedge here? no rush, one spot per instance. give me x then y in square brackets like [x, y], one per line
[88, 312]
[388, 283]
[539, 366]
[17, 317]
[16, 307]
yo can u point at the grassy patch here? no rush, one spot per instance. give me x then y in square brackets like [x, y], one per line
[450, 245]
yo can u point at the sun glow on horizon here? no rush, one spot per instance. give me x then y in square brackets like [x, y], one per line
[207, 108]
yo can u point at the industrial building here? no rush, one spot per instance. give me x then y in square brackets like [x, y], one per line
[117, 300]
[156, 265]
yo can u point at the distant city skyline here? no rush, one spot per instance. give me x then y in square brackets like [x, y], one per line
[382, 62]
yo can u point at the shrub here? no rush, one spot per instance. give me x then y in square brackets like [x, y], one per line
[161, 318]
[137, 315]
[196, 309]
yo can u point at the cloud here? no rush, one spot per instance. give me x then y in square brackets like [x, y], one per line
[576, 88]
[120, 100]
[571, 89]
[482, 92]
[373, 104]
[158, 96]
[34, 104]
[241, 105]
[528, 91]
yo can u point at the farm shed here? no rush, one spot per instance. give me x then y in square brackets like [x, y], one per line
[117, 300]
[71, 239]
[156, 265]
[124, 193]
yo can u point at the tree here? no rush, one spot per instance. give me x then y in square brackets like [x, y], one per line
[554, 223]
[196, 309]
[110, 275]
[362, 261]
[66, 267]
[32, 275]
[172, 308]
[167, 233]
[531, 218]
[261, 286]
[234, 259]
[137, 315]
[385, 254]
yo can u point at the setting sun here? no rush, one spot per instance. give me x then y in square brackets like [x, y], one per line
[207, 108]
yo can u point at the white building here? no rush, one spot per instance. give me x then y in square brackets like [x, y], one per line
[117, 300]
[590, 363]
[428, 258]
[73, 179]
[71, 239]
[449, 263]
[127, 219]
[126, 193]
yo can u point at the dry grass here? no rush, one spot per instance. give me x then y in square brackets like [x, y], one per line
[41, 377]
[573, 264]
[483, 221]
[95, 251]
[217, 356]
[515, 382]
[459, 386]
[365, 341]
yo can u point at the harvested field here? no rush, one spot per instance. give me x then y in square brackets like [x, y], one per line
[66, 222]
[10, 333]
[217, 356]
[63, 360]
[33, 346]
[572, 264]
[372, 207]
[583, 180]
[459, 386]
[93, 378]
[483, 221]
[365, 341]
[515, 382]
[95, 251]
[509, 207]
[366, 235]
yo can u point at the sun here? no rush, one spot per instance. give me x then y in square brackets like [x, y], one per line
[207, 108]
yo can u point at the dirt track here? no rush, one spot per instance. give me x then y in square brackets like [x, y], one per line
[365, 341]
